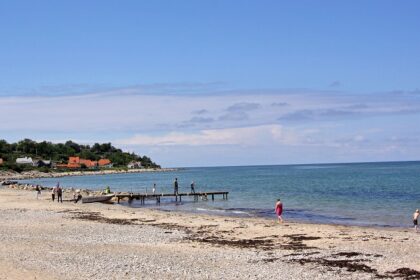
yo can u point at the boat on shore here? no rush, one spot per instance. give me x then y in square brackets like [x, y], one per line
[100, 198]
[7, 182]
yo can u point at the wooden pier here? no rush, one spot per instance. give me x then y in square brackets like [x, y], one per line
[178, 196]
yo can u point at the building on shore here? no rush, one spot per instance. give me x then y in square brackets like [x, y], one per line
[24, 160]
[104, 162]
[134, 164]
[77, 162]
[43, 163]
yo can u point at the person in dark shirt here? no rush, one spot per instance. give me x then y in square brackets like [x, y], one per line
[192, 187]
[176, 186]
[59, 194]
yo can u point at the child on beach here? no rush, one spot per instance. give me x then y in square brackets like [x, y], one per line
[415, 219]
[279, 210]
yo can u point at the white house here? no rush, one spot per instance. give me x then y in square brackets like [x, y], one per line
[25, 160]
[134, 164]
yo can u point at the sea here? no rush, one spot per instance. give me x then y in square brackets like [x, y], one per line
[382, 194]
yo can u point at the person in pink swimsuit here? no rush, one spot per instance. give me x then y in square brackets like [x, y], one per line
[279, 210]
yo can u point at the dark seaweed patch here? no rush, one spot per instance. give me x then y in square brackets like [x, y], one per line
[348, 254]
[97, 217]
[297, 244]
[266, 244]
[349, 265]
[406, 273]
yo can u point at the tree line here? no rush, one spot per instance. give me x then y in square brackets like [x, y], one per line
[60, 153]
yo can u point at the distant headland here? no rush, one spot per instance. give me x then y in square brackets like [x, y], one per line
[28, 158]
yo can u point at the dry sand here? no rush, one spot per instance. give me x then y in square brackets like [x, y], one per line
[45, 240]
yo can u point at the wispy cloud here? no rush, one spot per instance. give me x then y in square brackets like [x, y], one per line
[335, 84]
[243, 106]
[246, 136]
[201, 120]
[279, 104]
[200, 112]
[304, 115]
[234, 116]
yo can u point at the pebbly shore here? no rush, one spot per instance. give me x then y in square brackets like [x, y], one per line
[45, 240]
[12, 175]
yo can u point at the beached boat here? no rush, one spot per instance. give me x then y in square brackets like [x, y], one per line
[6, 183]
[100, 198]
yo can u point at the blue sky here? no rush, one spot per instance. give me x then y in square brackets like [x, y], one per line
[198, 83]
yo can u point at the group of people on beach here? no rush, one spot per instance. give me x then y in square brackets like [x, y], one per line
[57, 191]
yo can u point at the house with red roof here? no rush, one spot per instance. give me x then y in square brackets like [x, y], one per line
[77, 162]
[88, 163]
[104, 162]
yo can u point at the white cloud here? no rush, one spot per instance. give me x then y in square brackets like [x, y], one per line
[246, 136]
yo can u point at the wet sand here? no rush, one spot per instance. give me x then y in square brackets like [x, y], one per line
[45, 240]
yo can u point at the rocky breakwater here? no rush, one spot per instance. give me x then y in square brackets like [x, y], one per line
[12, 175]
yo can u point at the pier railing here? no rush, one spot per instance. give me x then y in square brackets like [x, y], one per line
[178, 196]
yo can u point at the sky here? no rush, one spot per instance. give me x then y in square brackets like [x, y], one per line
[215, 83]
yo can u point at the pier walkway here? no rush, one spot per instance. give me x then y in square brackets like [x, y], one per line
[157, 196]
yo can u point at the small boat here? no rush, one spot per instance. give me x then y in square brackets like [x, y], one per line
[100, 198]
[6, 183]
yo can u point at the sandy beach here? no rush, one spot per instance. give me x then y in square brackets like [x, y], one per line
[45, 240]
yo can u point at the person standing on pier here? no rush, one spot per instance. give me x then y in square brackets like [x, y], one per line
[176, 186]
[279, 210]
[192, 187]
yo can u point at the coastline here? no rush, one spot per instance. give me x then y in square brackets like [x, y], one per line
[103, 241]
[11, 175]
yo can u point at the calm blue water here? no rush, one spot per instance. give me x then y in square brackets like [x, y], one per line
[375, 194]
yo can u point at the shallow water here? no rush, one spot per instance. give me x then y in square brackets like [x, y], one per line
[374, 194]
